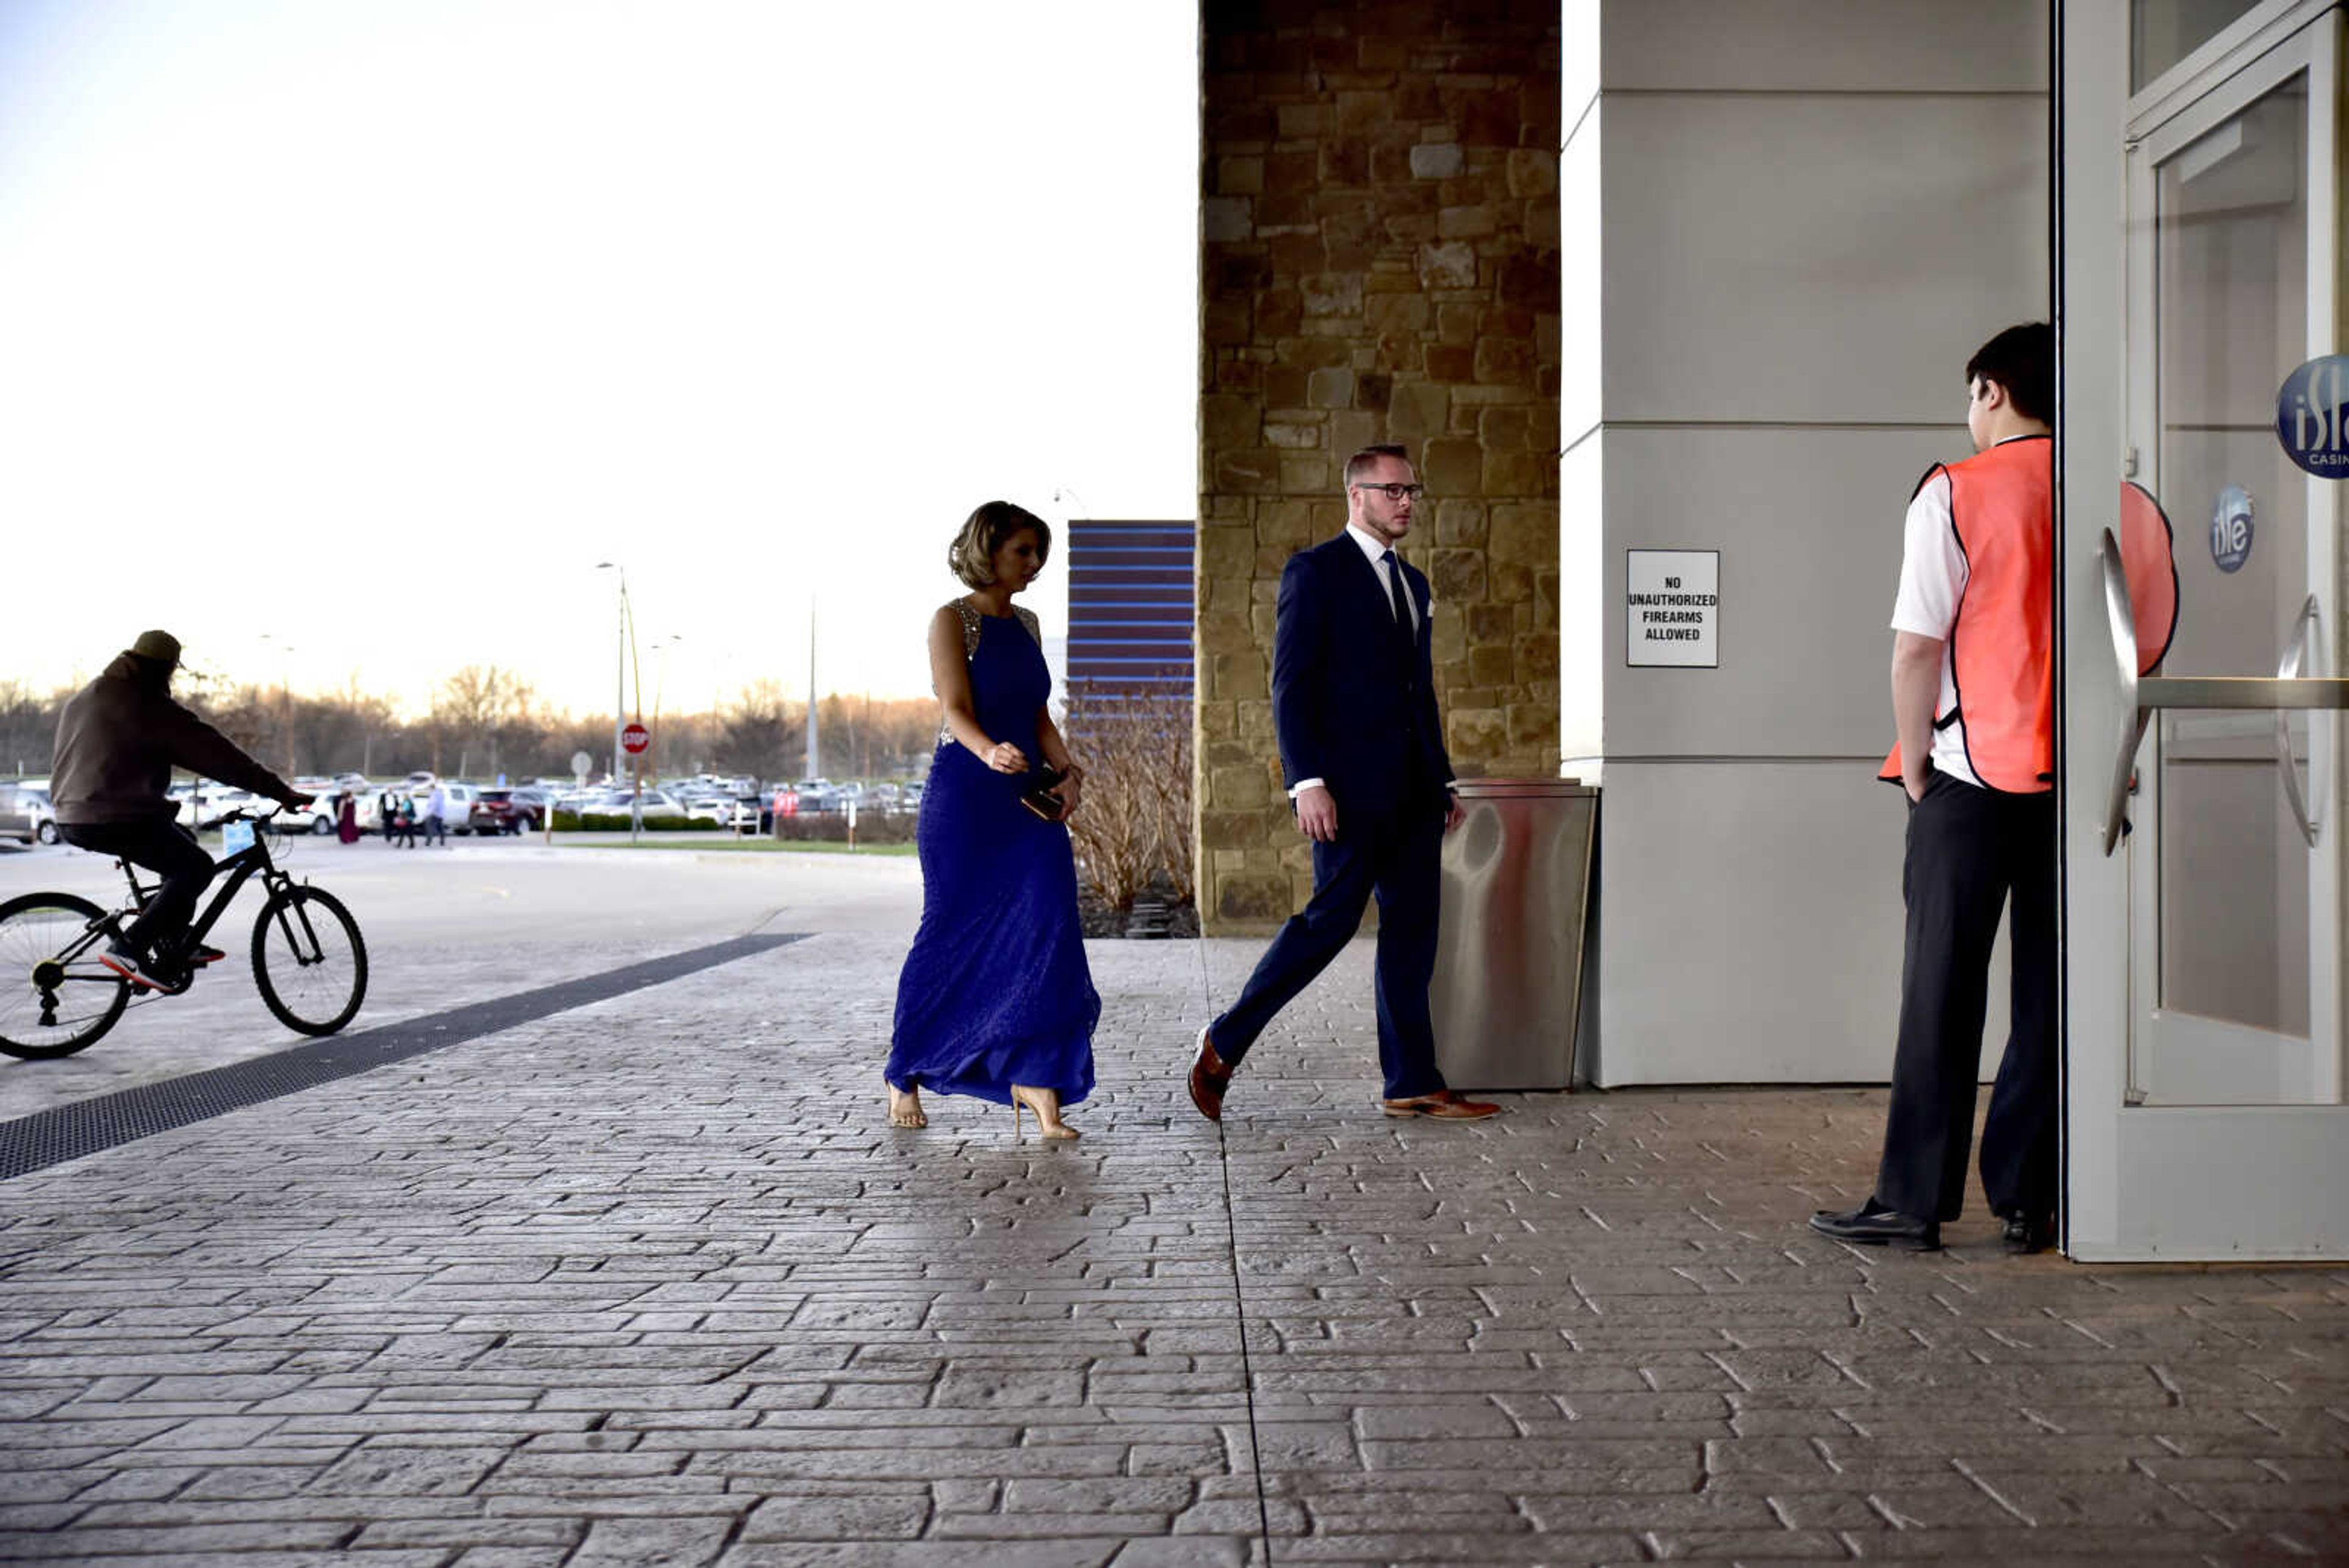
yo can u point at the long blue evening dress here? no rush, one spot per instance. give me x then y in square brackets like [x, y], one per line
[996, 990]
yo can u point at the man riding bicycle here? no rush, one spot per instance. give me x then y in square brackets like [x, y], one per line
[117, 741]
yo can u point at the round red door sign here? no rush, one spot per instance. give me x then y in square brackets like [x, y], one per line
[635, 740]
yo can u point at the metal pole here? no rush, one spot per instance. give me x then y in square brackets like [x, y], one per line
[620, 679]
[811, 755]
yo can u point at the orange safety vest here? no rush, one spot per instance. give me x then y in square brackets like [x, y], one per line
[2002, 653]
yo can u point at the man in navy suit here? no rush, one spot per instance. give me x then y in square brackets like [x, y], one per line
[1353, 703]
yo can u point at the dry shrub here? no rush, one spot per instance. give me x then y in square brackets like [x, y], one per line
[1134, 827]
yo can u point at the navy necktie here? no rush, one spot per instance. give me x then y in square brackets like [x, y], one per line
[1394, 593]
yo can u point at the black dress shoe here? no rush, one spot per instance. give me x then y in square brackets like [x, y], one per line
[1875, 1225]
[2025, 1233]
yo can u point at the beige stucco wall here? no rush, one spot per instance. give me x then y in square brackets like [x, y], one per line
[1379, 261]
[1807, 214]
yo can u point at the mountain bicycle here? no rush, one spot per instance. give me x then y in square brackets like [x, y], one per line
[55, 998]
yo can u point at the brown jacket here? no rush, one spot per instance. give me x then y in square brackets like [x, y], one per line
[119, 740]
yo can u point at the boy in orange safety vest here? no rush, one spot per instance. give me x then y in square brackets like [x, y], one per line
[1973, 700]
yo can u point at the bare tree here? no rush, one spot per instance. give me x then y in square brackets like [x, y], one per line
[476, 708]
[763, 733]
[1134, 827]
[28, 727]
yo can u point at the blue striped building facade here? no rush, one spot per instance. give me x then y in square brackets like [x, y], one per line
[1130, 596]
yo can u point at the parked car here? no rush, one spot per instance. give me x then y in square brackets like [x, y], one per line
[658, 803]
[216, 803]
[721, 809]
[497, 810]
[17, 807]
[199, 804]
[318, 816]
[45, 815]
[459, 813]
[621, 802]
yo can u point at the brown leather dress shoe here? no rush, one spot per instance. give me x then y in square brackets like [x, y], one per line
[1210, 1076]
[1446, 1105]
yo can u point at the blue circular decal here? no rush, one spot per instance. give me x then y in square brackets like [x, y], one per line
[2230, 529]
[2313, 416]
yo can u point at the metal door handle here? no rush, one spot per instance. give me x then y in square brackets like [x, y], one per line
[2141, 697]
[2122, 615]
[2297, 655]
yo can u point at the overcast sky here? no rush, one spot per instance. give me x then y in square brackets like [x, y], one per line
[365, 330]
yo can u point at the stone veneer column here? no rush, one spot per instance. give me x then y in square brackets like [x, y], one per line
[1379, 261]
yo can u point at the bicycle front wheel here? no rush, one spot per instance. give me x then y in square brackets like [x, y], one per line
[52, 1005]
[309, 960]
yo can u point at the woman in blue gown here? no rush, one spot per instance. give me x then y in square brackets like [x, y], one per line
[996, 999]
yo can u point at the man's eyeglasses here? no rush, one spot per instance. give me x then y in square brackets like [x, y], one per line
[1397, 492]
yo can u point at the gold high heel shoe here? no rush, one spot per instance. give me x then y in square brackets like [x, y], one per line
[1046, 1105]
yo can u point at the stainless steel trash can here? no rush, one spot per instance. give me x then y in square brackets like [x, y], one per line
[1508, 963]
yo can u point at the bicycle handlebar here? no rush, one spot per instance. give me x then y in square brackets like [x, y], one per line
[239, 815]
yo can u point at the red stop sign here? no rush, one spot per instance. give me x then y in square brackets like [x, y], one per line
[635, 740]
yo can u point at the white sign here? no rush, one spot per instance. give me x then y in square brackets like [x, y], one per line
[1672, 608]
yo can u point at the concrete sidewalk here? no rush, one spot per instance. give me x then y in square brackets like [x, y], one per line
[650, 1282]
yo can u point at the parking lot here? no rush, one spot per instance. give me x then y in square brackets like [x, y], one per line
[487, 917]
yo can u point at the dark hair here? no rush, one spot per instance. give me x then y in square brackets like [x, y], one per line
[1363, 462]
[2023, 360]
[971, 557]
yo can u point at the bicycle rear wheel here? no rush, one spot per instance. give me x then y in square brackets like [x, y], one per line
[309, 960]
[49, 1007]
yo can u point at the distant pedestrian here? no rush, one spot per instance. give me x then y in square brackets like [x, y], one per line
[436, 816]
[347, 818]
[403, 822]
[385, 809]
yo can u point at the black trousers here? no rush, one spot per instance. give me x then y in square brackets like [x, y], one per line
[1971, 850]
[168, 850]
[1397, 854]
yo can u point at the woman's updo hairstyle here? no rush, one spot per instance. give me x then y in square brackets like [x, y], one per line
[971, 557]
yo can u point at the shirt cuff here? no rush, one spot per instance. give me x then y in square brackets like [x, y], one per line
[1303, 785]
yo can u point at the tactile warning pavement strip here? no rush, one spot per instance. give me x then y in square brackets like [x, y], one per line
[106, 1121]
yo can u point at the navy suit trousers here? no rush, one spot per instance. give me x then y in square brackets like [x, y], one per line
[1397, 854]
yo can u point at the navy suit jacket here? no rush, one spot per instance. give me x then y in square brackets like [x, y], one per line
[1350, 706]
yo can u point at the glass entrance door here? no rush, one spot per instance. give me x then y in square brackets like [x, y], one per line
[2237, 974]
[2205, 1114]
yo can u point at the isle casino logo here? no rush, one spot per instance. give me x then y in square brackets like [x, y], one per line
[2313, 416]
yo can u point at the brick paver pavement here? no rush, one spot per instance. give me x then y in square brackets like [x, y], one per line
[650, 1282]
